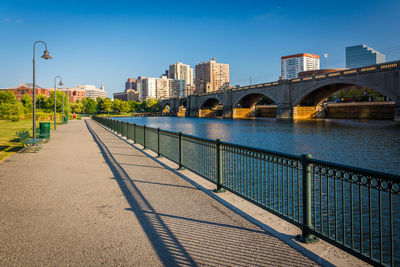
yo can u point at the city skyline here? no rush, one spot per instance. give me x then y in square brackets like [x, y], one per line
[106, 44]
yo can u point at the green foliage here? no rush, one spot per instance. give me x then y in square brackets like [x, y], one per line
[106, 105]
[90, 106]
[125, 107]
[134, 105]
[10, 107]
[152, 105]
[26, 101]
[7, 97]
[77, 107]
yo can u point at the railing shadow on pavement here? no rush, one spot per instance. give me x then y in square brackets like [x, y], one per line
[179, 240]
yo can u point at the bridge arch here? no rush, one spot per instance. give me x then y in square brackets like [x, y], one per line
[249, 100]
[211, 102]
[211, 107]
[166, 107]
[319, 91]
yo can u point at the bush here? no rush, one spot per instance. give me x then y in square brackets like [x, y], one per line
[15, 118]
[10, 110]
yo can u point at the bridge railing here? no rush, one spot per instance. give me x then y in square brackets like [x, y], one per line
[355, 209]
[347, 72]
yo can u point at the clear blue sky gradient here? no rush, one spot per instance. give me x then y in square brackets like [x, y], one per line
[96, 42]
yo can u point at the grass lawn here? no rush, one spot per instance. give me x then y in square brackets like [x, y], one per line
[9, 141]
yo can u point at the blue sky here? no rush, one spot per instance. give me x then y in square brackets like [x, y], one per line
[96, 42]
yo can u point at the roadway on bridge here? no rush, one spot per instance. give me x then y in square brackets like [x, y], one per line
[90, 198]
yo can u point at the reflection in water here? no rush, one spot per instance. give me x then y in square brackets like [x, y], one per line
[368, 144]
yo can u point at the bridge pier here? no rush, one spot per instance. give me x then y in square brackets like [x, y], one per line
[284, 111]
[397, 110]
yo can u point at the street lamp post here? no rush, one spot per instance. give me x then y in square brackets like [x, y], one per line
[55, 99]
[45, 56]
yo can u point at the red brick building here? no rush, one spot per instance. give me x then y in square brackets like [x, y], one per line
[26, 89]
[74, 94]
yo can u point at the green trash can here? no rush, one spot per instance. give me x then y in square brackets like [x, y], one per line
[65, 119]
[44, 130]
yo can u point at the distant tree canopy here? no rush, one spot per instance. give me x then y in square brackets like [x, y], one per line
[11, 108]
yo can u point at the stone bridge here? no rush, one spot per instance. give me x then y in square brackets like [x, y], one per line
[296, 98]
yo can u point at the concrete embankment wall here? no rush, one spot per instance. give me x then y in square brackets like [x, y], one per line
[368, 110]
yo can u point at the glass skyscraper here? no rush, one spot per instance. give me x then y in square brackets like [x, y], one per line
[362, 55]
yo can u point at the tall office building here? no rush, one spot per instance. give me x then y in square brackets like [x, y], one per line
[293, 64]
[131, 84]
[211, 76]
[362, 55]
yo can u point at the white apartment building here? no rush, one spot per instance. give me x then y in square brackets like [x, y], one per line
[180, 71]
[91, 91]
[293, 64]
[160, 88]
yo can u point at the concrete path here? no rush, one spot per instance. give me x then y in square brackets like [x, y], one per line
[90, 198]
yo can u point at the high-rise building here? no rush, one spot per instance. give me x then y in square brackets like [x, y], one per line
[178, 88]
[160, 88]
[293, 64]
[211, 76]
[362, 55]
[180, 71]
[131, 84]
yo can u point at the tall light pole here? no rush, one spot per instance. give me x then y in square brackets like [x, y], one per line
[55, 99]
[45, 56]
[326, 57]
[63, 106]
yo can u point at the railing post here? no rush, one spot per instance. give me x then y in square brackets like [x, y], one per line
[134, 133]
[180, 152]
[126, 130]
[220, 173]
[306, 236]
[144, 137]
[158, 143]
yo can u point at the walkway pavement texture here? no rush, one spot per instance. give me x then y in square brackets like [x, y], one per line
[90, 198]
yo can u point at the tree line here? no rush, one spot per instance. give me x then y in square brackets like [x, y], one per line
[15, 109]
[106, 105]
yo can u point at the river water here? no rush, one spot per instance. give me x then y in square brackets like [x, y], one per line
[370, 144]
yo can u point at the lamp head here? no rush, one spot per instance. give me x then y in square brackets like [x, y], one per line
[46, 55]
[61, 83]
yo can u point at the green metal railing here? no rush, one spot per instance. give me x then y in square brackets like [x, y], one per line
[355, 209]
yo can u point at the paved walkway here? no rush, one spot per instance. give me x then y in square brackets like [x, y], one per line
[90, 198]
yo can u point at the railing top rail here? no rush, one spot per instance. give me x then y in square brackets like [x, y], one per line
[260, 150]
[362, 171]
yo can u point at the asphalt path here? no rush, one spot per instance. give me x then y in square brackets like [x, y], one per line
[90, 198]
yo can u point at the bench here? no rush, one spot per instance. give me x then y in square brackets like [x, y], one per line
[24, 138]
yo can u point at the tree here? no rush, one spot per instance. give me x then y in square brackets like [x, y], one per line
[10, 107]
[77, 107]
[41, 101]
[90, 106]
[134, 105]
[106, 105]
[26, 101]
[116, 105]
[152, 105]
[125, 107]
[61, 97]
